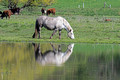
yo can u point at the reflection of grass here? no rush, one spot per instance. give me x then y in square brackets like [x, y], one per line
[18, 62]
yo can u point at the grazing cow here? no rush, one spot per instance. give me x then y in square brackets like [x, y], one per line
[43, 11]
[107, 19]
[0, 12]
[52, 10]
[6, 13]
[15, 10]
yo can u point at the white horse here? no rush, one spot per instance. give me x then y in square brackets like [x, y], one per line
[52, 57]
[53, 23]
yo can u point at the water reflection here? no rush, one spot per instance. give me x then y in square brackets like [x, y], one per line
[24, 61]
[54, 56]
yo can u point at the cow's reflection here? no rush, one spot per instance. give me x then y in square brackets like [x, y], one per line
[54, 57]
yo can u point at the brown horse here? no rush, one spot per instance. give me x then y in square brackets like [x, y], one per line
[6, 13]
[43, 11]
[49, 11]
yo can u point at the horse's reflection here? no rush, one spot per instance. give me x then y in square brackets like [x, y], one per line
[52, 57]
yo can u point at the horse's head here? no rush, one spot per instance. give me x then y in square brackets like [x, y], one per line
[68, 28]
[71, 34]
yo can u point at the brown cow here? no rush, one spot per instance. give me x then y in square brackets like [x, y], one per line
[15, 10]
[43, 11]
[107, 19]
[6, 13]
[52, 10]
[0, 12]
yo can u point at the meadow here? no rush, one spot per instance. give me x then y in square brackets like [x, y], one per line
[89, 24]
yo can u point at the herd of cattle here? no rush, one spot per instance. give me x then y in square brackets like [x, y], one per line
[9, 12]
[48, 12]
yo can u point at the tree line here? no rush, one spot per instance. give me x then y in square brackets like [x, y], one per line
[25, 3]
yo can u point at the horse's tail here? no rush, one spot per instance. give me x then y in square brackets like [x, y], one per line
[36, 29]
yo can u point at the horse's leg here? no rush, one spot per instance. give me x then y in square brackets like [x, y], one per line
[59, 48]
[53, 33]
[39, 31]
[59, 34]
[35, 34]
[53, 47]
[37, 51]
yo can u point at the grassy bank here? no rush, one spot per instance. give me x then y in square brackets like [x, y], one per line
[91, 29]
[88, 24]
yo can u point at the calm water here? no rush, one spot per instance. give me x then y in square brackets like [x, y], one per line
[59, 61]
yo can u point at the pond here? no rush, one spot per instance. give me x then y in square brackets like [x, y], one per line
[59, 61]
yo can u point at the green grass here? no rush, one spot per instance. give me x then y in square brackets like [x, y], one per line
[86, 29]
[88, 24]
[87, 3]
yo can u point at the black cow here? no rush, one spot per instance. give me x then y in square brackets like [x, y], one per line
[15, 10]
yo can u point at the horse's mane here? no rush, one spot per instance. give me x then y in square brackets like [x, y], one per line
[67, 25]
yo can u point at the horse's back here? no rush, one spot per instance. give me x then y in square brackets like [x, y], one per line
[46, 19]
[53, 20]
[50, 23]
[41, 19]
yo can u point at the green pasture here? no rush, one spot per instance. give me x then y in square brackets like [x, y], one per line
[89, 24]
[86, 29]
[87, 3]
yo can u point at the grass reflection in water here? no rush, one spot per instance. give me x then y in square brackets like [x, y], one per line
[60, 61]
